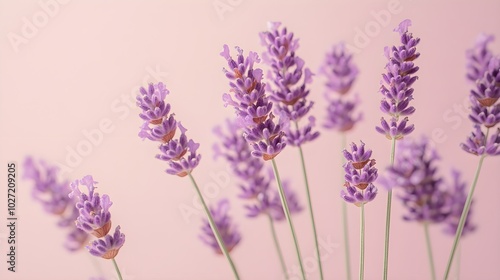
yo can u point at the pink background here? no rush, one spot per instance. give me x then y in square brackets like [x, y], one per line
[73, 71]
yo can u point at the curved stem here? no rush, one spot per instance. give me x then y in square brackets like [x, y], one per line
[287, 215]
[117, 269]
[215, 230]
[465, 212]
[309, 204]
[362, 244]
[278, 247]
[388, 216]
[345, 225]
[429, 250]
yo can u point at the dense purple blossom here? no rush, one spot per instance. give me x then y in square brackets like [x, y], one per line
[253, 108]
[340, 115]
[230, 235]
[360, 174]
[160, 125]
[289, 79]
[458, 196]
[477, 143]
[414, 176]
[397, 84]
[479, 57]
[108, 246]
[52, 193]
[94, 217]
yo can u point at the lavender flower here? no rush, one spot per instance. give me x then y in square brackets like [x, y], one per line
[341, 72]
[360, 175]
[230, 235]
[415, 175]
[252, 105]
[94, 217]
[159, 125]
[479, 57]
[53, 195]
[487, 90]
[109, 246]
[340, 115]
[478, 145]
[458, 196]
[396, 84]
[255, 183]
[289, 90]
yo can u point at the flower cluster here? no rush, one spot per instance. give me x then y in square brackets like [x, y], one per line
[53, 195]
[341, 72]
[479, 57]
[289, 88]
[458, 196]
[160, 125]
[230, 235]
[485, 107]
[360, 175]
[95, 218]
[252, 105]
[397, 84]
[414, 173]
[254, 183]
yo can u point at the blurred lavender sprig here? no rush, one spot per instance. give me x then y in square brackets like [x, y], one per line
[415, 177]
[52, 193]
[458, 195]
[341, 73]
[227, 229]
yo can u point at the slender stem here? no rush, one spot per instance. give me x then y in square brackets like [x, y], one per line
[215, 230]
[457, 262]
[277, 245]
[465, 212]
[388, 217]
[362, 244]
[309, 204]
[287, 215]
[117, 269]
[345, 225]
[429, 250]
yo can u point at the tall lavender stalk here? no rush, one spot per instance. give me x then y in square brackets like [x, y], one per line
[360, 173]
[289, 92]
[341, 72]
[180, 153]
[485, 114]
[253, 108]
[397, 91]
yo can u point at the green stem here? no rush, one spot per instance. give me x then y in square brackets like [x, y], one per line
[388, 216]
[465, 212]
[362, 244]
[457, 262]
[309, 203]
[287, 215]
[215, 230]
[345, 224]
[429, 250]
[277, 245]
[117, 269]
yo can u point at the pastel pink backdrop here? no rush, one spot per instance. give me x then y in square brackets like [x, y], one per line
[85, 61]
